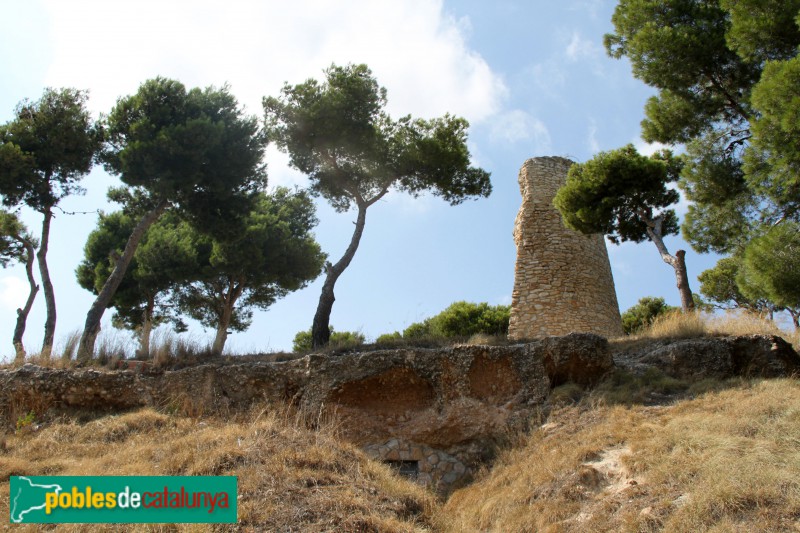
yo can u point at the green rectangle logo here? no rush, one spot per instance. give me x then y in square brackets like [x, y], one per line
[122, 499]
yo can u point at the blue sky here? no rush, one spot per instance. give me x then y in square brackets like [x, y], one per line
[532, 77]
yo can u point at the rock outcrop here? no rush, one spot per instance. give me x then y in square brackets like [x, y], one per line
[458, 401]
[438, 412]
[765, 356]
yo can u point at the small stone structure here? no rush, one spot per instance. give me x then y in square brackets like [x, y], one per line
[562, 280]
[433, 468]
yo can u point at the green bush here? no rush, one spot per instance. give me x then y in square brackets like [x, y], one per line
[643, 313]
[462, 319]
[339, 339]
[419, 330]
[388, 338]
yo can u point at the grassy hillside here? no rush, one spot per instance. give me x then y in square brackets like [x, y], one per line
[638, 453]
[727, 460]
[290, 478]
[724, 461]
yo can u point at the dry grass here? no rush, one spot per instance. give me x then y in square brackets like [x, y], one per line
[289, 478]
[726, 461]
[678, 325]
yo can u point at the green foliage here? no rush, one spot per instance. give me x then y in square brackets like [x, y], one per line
[419, 330]
[388, 338]
[619, 193]
[26, 421]
[719, 284]
[339, 339]
[194, 149]
[641, 315]
[47, 148]
[44, 153]
[772, 161]
[273, 255]
[723, 209]
[165, 257]
[771, 266]
[762, 30]
[16, 166]
[13, 238]
[462, 319]
[679, 47]
[726, 72]
[338, 134]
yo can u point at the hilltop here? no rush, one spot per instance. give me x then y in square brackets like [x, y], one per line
[677, 434]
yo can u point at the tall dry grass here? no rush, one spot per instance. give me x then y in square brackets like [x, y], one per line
[167, 349]
[726, 461]
[699, 324]
[290, 478]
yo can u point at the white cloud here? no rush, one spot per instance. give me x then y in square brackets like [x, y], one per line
[592, 7]
[280, 173]
[646, 148]
[13, 292]
[594, 145]
[517, 125]
[547, 79]
[580, 48]
[415, 49]
[408, 204]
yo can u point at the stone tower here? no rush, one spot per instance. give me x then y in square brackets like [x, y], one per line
[562, 279]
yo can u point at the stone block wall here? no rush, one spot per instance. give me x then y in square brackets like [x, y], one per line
[562, 279]
[434, 468]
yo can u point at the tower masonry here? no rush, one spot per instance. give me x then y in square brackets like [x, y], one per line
[562, 279]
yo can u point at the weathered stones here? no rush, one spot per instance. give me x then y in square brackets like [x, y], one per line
[562, 278]
[435, 468]
[444, 409]
[715, 357]
[579, 358]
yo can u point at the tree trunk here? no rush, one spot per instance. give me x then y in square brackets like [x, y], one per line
[47, 285]
[147, 328]
[95, 314]
[677, 262]
[320, 329]
[687, 301]
[22, 314]
[234, 292]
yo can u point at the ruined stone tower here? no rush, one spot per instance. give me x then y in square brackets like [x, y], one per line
[562, 280]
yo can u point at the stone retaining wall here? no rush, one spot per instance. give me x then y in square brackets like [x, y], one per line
[435, 468]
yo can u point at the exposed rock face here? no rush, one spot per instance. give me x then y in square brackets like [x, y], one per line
[571, 358]
[457, 401]
[765, 356]
[562, 278]
[443, 409]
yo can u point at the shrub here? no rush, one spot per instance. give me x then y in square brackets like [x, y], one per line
[463, 319]
[419, 330]
[339, 339]
[389, 338]
[643, 313]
